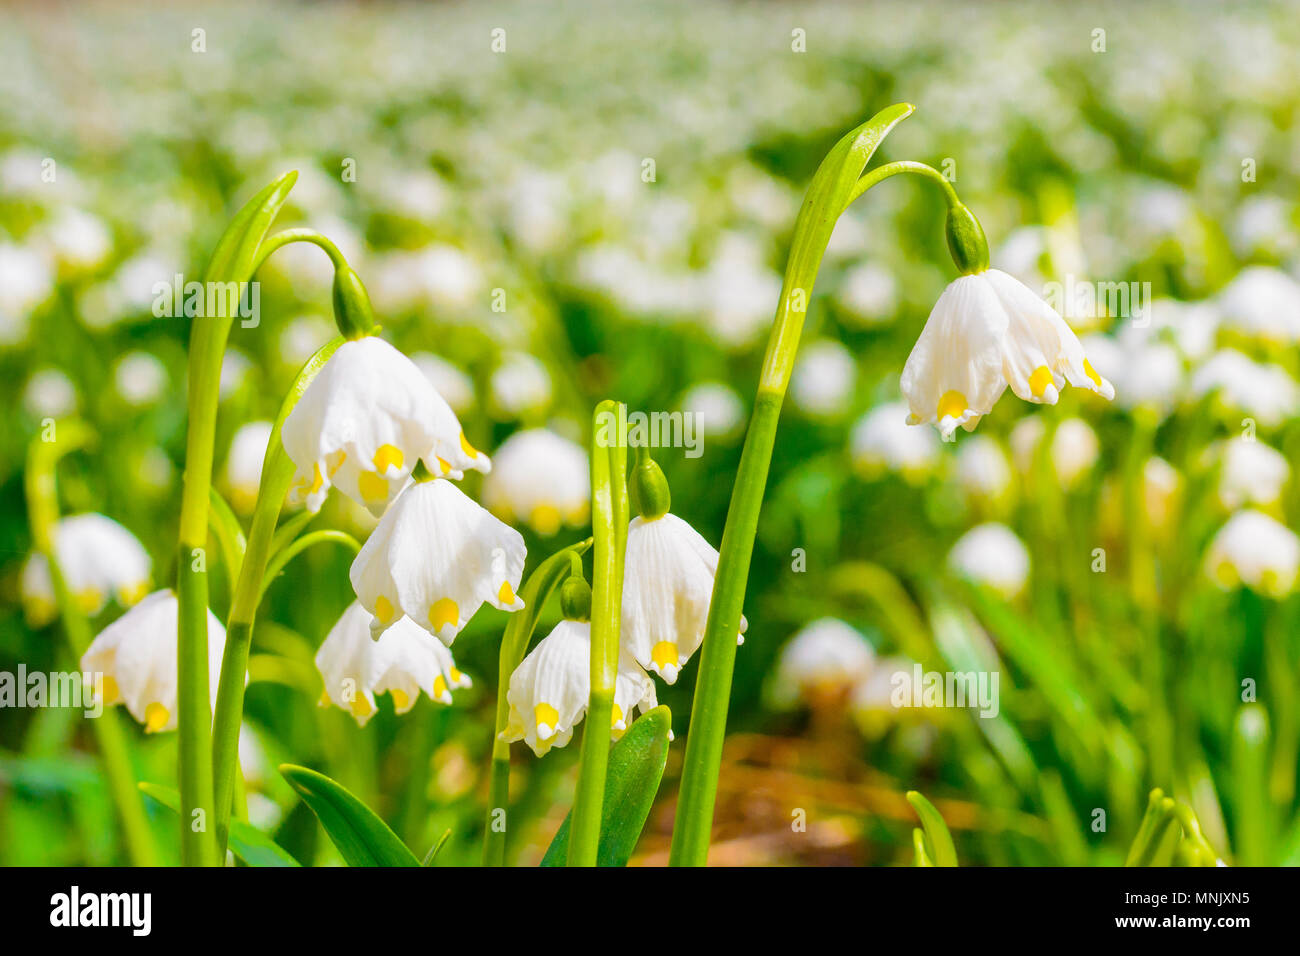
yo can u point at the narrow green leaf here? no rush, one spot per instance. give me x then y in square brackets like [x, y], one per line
[247, 842]
[230, 536]
[923, 857]
[945, 854]
[636, 765]
[360, 835]
[434, 850]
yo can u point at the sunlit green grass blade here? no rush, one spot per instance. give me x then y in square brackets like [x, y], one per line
[361, 836]
[636, 765]
[247, 842]
[936, 831]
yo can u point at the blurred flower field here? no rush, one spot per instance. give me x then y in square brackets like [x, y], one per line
[604, 207]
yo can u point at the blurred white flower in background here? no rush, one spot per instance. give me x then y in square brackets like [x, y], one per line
[825, 658]
[1074, 451]
[1262, 390]
[1161, 485]
[825, 374]
[26, 280]
[136, 655]
[983, 469]
[450, 381]
[1257, 551]
[719, 410]
[991, 555]
[100, 561]
[243, 471]
[521, 385]
[402, 662]
[140, 378]
[235, 370]
[1263, 303]
[1252, 473]
[79, 240]
[869, 293]
[883, 441]
[50, 393]
[540, 478]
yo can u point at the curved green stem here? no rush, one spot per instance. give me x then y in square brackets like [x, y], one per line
[286, 236]
[298, 546]
[881, 173]
[231, 263]
[838, 182]
[277, 475]
[514, 642]
[609, 520]
[40, 483]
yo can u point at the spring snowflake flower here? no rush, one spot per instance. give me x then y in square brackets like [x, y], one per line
[404, 661]
[362, 424]
[244, 464]
[1254, 550]
[549, 690]
[100, 560]
[1262, 390]
[540, 478]
[1263, 303]
[437, 557]
[827, 655]
[983, 469]
[136, 655]
[991, 554]
[718, 410]
[882, 441]
[140, 378]
[1252, 473]
[520, 385]
[667, 586]
[988, 331]
[1073, 451]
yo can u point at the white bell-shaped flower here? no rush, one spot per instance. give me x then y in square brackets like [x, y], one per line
[364, 421]
[550, 687]
[540, 478]
[100, 560]
[667, 586]
[991, 555]
[436, 557]
[404, 661]
[988, 331]
[1257, 551]
[136, 655]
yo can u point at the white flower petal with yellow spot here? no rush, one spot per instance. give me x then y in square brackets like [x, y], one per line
[549, 690]
[1257, 551]
[404, 661]
[988, 331]
[667, 587]
[136, 655]
[826, 655]
[100, 561]
[540, 478]
[362, 424]
[436, 556]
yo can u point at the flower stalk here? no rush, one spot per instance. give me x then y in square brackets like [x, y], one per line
[609, 521]
[838, 181]
[43, 515]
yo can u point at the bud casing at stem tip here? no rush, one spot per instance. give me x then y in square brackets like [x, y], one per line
[352, 311]
[575, 599]
[966, 242]
[648, 488]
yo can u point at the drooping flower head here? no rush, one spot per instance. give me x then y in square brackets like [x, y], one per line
[100, 560]
[824, 658]
[1257, 551]
[991, 555]
[667, 580]
[540, 478]
[550, 688]
[136, 655]
[364, 421]
[404, 661]
[437, 557]
[988, 331]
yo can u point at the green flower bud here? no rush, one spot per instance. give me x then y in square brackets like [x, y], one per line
[352, 311]
[966, 242]
[648, 488]
[575, 598]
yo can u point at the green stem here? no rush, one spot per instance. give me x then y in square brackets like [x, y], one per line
[295, 548]
[514, 642]
[609, 520]
[232, 262]
[277, 475]
[837, 183]
[41, 485]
